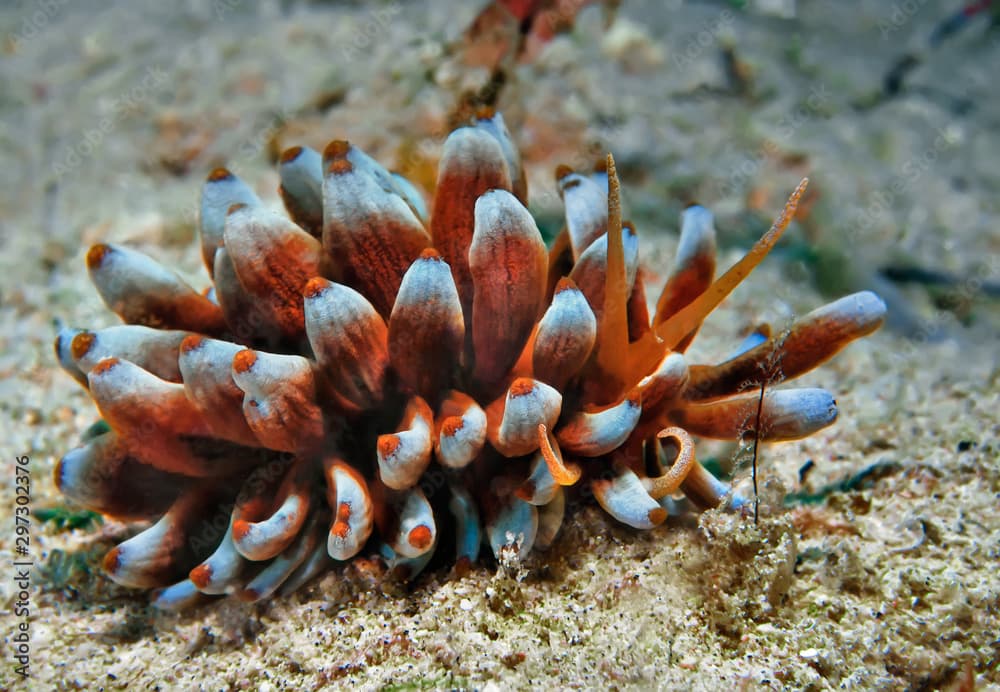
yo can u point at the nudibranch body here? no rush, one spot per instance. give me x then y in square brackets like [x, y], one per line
[363, 376]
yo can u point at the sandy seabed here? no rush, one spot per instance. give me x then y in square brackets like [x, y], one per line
[112, 113]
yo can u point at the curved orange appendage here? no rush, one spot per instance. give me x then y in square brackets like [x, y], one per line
[561, 473]
[670, 482]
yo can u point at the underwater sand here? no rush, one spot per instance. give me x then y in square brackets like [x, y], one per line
[112, 116]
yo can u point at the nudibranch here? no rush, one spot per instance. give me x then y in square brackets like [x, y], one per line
[364, 377]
